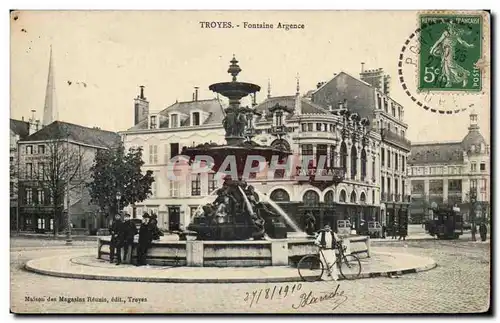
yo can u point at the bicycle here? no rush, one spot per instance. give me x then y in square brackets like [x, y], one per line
[311, 268]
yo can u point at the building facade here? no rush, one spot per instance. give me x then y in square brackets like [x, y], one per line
[450, 173]
[57, 155]
[313, 124]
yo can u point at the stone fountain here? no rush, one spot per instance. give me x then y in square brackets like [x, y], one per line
[236, 213]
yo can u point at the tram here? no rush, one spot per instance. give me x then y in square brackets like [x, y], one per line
[447, 223]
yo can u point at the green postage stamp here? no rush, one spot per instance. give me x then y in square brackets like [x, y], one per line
[450, 47]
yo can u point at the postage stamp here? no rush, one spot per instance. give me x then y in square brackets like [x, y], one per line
[450, 48]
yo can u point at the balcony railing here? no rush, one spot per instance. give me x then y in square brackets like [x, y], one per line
[396, 139]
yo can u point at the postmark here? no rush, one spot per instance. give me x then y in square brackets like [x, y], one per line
[426, 53]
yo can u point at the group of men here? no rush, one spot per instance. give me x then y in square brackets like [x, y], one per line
[123, 233]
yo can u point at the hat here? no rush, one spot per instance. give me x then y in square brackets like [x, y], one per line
[145, 216]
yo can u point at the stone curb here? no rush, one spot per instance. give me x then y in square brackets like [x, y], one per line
[295, 278]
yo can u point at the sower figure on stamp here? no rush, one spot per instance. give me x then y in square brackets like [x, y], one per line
[145, 239]
[327, 239]
[129, 231]
[115, 245]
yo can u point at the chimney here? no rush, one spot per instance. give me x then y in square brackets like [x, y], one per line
[254, 99]
[142, 92]
[22, 118]
[196, 93]
[141, 106]
[362, 67]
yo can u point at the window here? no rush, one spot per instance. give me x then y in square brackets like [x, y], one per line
[396, 186]
[373, 169]
[386, 107]
[402, 133]
[309, 127]
[383, 156]
[325, 127]
[307, 150]
[403, 163]
[383, 185]
[389, 156]
[399, 112]
[195, 185]
[396, 157]
[393, 109]
[483, 184]
[473, 183]
[343, 156]
[332, 129]
[482, 167]
[473, 167]
[174, 188]
[363, 164]
[29, 170]
[279, 118]
[29, 150]
[41, 171]
[174, 121]
[152, 124]
[153, 154]
[41, 197]
[192, 211]
[318, 126]
[29, 196]
[373, 197]
[304, 127]
[321, 150]
[403, 189]
[212, 183]
[41, 149]
[388, 185]
[174, 150]
[196, 119]
[379, 102]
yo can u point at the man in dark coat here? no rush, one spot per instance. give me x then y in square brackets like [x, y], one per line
[115, 245]
[129, 231]
[483, 230]
[145, 239]
[153, 223]
[310, 223]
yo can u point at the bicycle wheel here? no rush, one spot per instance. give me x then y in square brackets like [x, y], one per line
[350, 267]
[310, 268]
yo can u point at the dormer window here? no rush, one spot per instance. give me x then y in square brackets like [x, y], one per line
[279, 118]
[152, 122]
[174, 121]
[195, 119]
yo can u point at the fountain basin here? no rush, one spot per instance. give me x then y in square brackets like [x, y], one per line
[246, 253]
[234, 90]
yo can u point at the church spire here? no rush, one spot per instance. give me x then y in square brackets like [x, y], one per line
[50, 109]
[268, 88]
[298, 85]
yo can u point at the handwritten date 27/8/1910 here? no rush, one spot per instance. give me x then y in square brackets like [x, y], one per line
[280, 292]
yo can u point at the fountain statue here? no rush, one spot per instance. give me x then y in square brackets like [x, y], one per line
[237, 213]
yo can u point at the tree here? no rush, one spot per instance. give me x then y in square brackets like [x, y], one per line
[115, 171]
[61, 164]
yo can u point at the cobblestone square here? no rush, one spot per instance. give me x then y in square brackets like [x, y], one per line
[459, 284]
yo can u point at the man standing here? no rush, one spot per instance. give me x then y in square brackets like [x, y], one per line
[115, 245]
[129, 231]
[327, 239]
[483, 230]
[145, 239]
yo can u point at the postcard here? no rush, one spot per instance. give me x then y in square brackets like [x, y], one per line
[191, 162]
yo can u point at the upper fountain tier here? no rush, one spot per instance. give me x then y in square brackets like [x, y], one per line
[234, 90]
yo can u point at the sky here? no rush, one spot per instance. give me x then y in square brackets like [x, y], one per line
[101, 57]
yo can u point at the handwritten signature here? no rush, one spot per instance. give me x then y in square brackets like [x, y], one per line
[269, 293]
[337, 297]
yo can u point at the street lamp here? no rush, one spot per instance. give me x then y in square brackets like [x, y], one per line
[118, 198]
